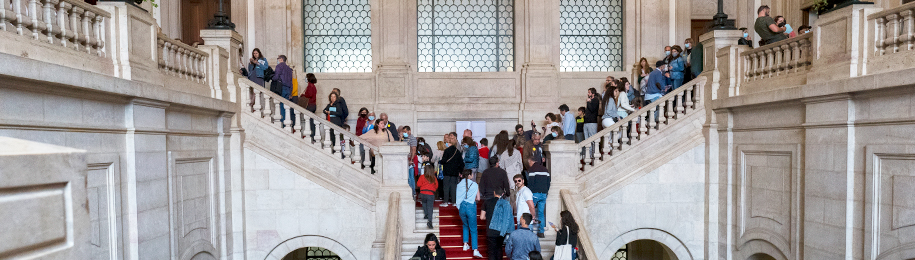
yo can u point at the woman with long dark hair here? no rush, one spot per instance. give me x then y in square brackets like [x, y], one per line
[609, 105]
[431, 249]
[567, 232]
[362, 120]
[257, 64]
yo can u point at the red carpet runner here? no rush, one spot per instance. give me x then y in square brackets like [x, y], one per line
[451, 232]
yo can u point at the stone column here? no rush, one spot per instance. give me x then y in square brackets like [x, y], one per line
[133, 42]
[225, 64]
[538, 53]
[716, 43]
[840, 43]
[394, 25]
[564, 168]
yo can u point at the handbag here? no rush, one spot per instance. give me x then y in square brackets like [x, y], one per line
[564, 252]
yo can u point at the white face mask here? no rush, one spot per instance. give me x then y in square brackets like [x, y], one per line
[807, 31]
[687, 45]
[666, 53]
[745, 35]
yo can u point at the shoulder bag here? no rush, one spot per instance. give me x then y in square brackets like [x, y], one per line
[564, 252]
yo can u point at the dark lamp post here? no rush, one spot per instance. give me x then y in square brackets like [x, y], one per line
[221, 20]
[721, 21]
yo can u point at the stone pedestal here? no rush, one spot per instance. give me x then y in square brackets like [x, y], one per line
[721, 54]
[840, 43]
[134, 42]
[224, 63]
[564, 164]
[394, 173]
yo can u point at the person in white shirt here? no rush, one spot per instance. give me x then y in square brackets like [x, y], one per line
[524, 201]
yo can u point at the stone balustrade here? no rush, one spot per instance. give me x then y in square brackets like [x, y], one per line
[642, 123]
[69, 23]
[791, 56]
[180, 60]
[894, 38]
[265, 104]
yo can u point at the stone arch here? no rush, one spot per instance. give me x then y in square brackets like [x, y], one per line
[203, 256]
[286, 247]
[756, 247]
[197, 249]
[670, 241]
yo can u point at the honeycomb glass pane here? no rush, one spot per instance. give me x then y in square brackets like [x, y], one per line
[338, 36]
[465, 35]
[590, 35]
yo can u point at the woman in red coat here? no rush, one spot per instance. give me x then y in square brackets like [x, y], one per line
[360, 122]
[427, 185]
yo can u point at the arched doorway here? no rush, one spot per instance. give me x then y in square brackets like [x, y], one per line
[311, 253]
[761, 256]
[647, 249]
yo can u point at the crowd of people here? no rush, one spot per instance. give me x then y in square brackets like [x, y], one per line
[770, 29]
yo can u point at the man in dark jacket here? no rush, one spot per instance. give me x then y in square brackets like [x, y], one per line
[493, 185]
[391, 126]
[431, 249]
[452, 163]
[283, 76]
[539, 182]
[591, 110]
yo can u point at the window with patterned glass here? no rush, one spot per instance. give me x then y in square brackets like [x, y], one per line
[591, 35]
[338, 36]
[465, 35]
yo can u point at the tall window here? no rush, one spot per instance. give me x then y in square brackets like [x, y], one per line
[591, 35]
[465, 35]
[338, 36]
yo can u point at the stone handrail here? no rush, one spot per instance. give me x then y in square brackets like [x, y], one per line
[777, 59]
[266, 104]
[585, 247]
[894, 30]
[181, 60]
[392, 236]
[664, 110]
[69, 23]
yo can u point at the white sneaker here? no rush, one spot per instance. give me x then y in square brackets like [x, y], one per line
[443, 205]
[476, 253]
[466, 247]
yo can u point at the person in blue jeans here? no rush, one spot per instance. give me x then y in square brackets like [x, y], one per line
[468, 193]
[538, 179]
[283, 74]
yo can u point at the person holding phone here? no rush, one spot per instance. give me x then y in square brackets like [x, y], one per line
[568, 231]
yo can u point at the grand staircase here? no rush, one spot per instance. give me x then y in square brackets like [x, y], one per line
[648, 137]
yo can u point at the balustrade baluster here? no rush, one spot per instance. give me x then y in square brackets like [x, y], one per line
[879, 35]
[3, 18]
[17, 10]
[76, 15]
[649, 120]
[268, 107]
[795, 56]
[357, 155]
[306, 128]
[33, 18]
[288, 121]
[98, 28]
[368, 158]
[47, 20]
[257, 105]
[624, 135]
[691, 97]
[62, 16]
[678, 104]
[643, 126]
[668, 111]
[777, 57]
[87, 42]
[893, 34]
[277, 112]
[328, 145]
[337, 147]
[300, 117]
[908, 31]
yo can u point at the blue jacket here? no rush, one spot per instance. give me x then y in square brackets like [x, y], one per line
[568, 123]
[471, 157]
[678, 67]
[259, 69]
[520, 243]
[502, 219]
[654, 79]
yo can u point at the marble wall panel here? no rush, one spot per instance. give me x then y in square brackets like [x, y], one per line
[890, 201]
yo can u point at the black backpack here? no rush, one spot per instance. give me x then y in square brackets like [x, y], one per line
[268, 73]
